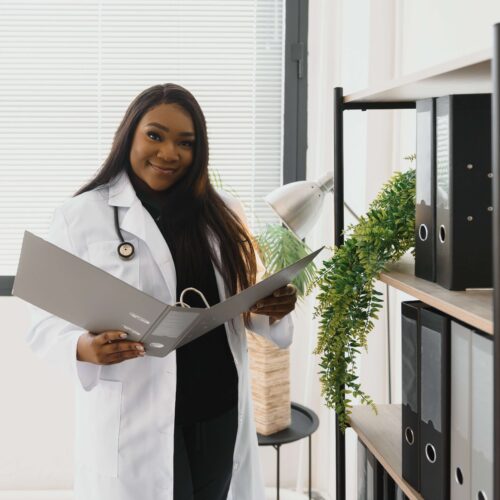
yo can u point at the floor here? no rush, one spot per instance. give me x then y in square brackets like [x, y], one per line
[66, 495]
[290, 495]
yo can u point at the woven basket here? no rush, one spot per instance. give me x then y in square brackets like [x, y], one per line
[270, 372]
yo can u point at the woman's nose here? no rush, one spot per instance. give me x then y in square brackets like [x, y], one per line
[168, 152]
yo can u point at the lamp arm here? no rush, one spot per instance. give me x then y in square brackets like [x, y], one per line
[351, 211]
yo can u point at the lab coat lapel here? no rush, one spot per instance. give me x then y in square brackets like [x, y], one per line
[139, 222]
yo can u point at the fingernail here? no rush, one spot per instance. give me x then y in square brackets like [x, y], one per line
[123, 335]
[140, 348]
[142, 353]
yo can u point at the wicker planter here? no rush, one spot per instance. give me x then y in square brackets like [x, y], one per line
[270, 372]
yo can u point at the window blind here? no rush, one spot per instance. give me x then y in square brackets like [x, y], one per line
[69, 69]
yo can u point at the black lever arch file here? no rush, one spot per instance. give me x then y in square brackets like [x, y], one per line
[434, 409]
[410, 429]
[463, 191]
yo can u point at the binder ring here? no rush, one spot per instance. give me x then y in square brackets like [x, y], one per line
[482, 495]
[423, 232]
[430, 453]
[409, 436]
[442, 234]
[459, 477]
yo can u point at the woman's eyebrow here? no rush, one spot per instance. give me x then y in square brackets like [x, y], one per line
[166, 129]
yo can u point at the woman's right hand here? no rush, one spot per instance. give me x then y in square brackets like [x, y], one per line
[107, 348]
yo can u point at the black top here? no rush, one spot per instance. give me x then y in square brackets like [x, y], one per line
[207, 380]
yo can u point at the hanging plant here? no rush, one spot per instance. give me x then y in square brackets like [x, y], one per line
[347, 302]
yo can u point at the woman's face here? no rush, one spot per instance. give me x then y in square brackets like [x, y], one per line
[163, 146]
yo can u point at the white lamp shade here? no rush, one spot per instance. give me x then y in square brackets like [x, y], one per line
[299, 203]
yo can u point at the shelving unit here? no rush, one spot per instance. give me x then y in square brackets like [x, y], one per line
[474, 307]
[465, 75]
[474, 73]
[382, 436]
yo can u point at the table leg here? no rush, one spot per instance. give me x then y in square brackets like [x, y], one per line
[310, 495]
[277, 448]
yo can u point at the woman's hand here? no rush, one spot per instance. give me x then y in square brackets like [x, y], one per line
[277, 305]
[107, 348]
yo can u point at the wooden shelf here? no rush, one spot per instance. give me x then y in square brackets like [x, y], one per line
[466, 75]
[381, 434]
[474, 307]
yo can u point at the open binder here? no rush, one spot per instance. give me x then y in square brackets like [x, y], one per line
[75, 290]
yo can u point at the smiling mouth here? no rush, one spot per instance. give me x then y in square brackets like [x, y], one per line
[162, 169]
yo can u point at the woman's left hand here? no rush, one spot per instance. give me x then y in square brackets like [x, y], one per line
[277, 305]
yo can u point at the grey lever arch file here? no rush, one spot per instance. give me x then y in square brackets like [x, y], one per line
[460, 411]
[75, 290]
[471, 430]
[361, 476]
[425, 214]
[482, 417]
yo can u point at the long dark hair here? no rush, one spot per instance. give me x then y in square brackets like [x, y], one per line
[238, 260]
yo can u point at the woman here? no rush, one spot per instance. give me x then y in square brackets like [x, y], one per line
[179, 427]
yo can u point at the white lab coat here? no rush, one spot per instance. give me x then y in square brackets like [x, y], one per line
[125, 412]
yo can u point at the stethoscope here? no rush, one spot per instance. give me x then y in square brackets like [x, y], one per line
[125, 249]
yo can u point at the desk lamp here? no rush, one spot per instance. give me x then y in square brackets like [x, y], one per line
[298, 204]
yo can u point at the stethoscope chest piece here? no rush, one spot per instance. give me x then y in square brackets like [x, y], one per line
[126, 250]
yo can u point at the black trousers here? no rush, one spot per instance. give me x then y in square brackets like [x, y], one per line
[203, 457]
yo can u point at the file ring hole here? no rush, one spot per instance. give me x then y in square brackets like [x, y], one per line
[482, 496]
[459, 476]
[423, 233]
[442, 234]
[409, 436]
[430, 453]
[156, 345]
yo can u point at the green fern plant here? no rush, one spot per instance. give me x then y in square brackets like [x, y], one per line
[279, 248]
[347, 302]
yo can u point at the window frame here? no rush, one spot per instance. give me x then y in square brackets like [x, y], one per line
[295, 102]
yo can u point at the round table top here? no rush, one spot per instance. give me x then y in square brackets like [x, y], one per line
[304, 423]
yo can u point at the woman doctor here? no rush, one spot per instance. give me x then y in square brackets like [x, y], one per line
[179, 427]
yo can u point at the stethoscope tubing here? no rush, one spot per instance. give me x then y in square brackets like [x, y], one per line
[126, 250]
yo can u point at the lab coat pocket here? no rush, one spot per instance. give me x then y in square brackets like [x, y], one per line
[104, 254]
[101, 427]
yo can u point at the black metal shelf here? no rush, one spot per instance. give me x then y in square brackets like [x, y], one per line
[338, 143]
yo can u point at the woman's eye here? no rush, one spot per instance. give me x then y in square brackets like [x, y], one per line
[188, 144]
[149, 134]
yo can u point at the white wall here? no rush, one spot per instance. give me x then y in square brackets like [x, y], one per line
[436, 31]
[37, 411]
